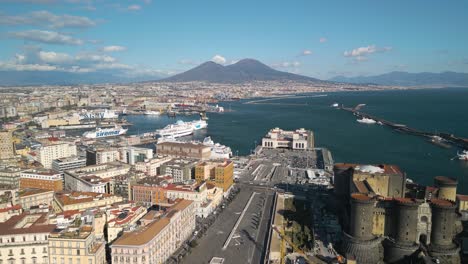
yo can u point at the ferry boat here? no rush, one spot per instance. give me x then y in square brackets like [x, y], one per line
[218, 151]
[98, 114]
[105, 132]
[366, 120]
[463, 155]
[179, 129]
[149, 112]
[198, 124]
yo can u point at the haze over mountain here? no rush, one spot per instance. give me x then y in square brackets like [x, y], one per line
[446, 79]
[245, 70]
[25, 78]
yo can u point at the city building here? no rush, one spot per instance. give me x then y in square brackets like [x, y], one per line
[122, 216]
[219, 173]
[101, 155]
[95, 178]
[7, 150]
[73, 162]
[52, 149]
[42, 179]
[181, 170]
[65, 201]
[24, 239]
[77, 245]
[157, 241]
[184, 149]
[132, 155]
[385, 180]
[152, 167]
[150, 191]
[30, 197]
[299, 139]
[196, 192]
[10, 176]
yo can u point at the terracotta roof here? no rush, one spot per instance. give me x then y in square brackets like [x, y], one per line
[462, 197]
[11, 208]
[39, 226]
[148, 233]
[31, 191]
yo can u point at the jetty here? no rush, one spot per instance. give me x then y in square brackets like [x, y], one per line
[450, 138]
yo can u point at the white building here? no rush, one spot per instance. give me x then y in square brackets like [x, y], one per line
[151, 166]
[51, 150]
[300, 139]
[157, 241]
[24, 239]
[69, 163]
[131, 155]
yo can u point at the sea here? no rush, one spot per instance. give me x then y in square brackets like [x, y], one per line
[435, 110]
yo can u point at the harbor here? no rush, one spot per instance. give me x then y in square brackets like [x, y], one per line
[441, 139]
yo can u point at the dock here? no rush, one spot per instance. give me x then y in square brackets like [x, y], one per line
[450, 138]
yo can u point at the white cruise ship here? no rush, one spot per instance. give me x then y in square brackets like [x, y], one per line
[218, 151]
[179, 129]
[105, 132]
[198, 124]
[98, 114]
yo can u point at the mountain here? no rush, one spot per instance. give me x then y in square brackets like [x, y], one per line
[245, 70]
[25, 78]
[428, 79]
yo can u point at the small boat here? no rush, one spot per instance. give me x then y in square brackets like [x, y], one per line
[366, 120]
[335, 105]
[436, 140]
[463, 155]
[150, 112]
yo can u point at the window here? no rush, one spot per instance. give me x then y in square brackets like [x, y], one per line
[90, 261]
[78, 252]
[22, 251]
[70, 261]
[34, 251]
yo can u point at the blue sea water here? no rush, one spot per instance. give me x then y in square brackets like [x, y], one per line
[434, 110]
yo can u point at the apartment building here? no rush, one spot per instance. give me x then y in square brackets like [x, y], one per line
[41, 179]
[7, 150]
[52, 149]
[220, 173]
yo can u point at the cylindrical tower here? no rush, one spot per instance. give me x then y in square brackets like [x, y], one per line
[442, 234]
[447, 188]
[403, 241]
[360, 242]
[362, 209]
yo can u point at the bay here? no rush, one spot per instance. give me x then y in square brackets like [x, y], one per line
[433, 110]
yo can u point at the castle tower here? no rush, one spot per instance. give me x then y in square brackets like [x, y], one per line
[447, 188]
[442, 234]
[405, 234]
[359, 241]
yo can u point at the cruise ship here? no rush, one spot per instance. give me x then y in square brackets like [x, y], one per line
[179, 129]
[198, 124]
[98, 114]
[218, 151]
[105, 132]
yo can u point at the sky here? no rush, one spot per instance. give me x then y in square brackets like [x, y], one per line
[320, 39]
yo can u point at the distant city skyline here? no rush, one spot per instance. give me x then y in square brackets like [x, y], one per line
[320, 39]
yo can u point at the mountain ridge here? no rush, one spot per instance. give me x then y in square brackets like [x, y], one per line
[400, 78]
[245, 70]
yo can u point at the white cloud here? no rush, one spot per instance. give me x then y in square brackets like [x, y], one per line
[306, 53]
[49, 37]
[13, 66]
[364, 51]
[361, 54]
[48, 19]
[91, 57]
[113, 48]
[134, 7]
[323, 40]
[54, 57]
[218, 59]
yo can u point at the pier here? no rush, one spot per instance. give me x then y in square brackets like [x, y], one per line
[450, 138]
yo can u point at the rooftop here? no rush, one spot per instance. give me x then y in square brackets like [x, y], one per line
[147, 233]
[67, 198]
[26, 224]
[32, 191]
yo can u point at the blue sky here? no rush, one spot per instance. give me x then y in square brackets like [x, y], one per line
[315, 38]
